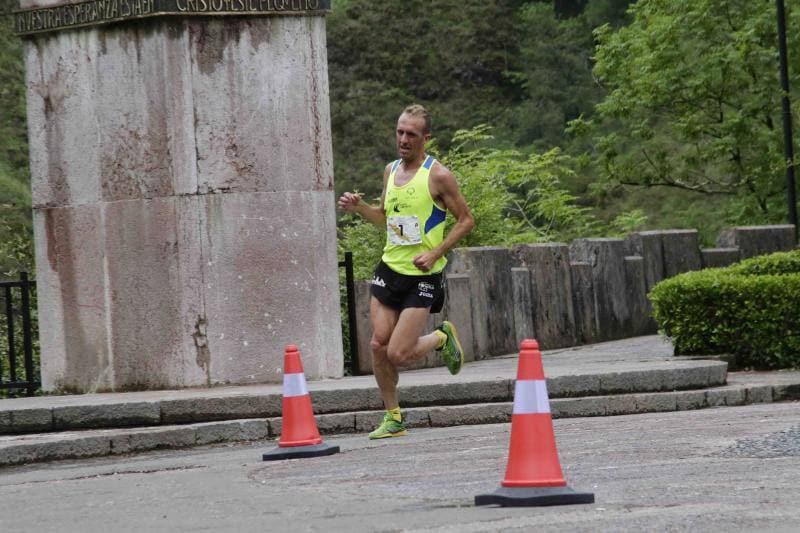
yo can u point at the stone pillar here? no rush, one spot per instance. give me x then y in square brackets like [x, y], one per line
[489, 271]
[607, 260]
[523, 304]
[758, 240]
[583, 302]
[719, 257]
[183, 192]
[551, 292]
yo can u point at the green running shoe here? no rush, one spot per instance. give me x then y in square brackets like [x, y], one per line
[452, 353]
[388, 428]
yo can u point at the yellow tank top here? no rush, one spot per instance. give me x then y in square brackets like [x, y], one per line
[414, 223]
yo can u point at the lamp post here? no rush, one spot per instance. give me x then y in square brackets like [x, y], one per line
[788, 148]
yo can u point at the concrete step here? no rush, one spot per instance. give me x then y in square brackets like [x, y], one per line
[742, 389]
[482, 382]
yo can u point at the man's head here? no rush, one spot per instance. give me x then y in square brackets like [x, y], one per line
[413, 131]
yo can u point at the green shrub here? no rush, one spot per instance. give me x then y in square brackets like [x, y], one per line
[750, 310]
[777, 263]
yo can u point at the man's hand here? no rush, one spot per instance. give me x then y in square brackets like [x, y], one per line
[349, 201]
[425, 261]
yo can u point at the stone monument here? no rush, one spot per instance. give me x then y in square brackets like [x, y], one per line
[182, 190]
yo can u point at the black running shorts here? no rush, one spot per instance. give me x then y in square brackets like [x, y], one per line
[400, 291]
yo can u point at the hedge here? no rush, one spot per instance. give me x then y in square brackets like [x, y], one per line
[750, 310]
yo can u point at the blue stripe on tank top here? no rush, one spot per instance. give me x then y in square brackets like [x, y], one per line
[394, 166]
[429, 162]
[436, 218]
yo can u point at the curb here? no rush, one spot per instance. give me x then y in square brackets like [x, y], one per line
[170, 411]
[26, 449]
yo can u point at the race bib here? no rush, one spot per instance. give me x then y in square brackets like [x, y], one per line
[403, 230]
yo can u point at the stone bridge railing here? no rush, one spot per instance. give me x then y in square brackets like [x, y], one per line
[590, 290]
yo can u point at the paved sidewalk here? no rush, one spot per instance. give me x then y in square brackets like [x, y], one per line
[621, 377]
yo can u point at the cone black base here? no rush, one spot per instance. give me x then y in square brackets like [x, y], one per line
[300, 452]
[533, 497]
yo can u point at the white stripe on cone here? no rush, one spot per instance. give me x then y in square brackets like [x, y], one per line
[530, 397]
[294, 385]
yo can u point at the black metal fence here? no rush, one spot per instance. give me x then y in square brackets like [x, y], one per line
[352, 333]
[16, 358]
[18, 369]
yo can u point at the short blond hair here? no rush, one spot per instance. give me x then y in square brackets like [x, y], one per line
[416, 110]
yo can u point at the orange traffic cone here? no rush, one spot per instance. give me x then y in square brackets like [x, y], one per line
[299, 434]
[533, 475]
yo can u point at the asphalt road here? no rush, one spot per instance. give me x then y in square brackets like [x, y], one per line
[724, 469]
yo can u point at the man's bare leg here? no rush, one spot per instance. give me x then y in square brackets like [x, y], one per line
[383, 319]
[397, 342]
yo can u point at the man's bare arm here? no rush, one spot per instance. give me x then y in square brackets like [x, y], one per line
[376, 214]
[444, 187]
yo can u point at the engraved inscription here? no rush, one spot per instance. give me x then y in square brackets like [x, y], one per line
[94, 12]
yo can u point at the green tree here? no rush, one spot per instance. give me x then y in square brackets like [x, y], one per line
[15, 197]
[513, 198]
[455, 57]
[693, 102]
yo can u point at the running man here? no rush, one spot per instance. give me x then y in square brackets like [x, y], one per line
[407, 285]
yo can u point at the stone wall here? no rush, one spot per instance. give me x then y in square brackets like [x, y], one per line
[183, 201]
[591, 290]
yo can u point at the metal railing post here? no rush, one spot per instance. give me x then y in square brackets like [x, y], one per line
[27, 340]
[12, 349]
[351, 312]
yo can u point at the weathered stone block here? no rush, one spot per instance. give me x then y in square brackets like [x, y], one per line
[681, 249]
[718, 374]
[716, 397]
[606, 257]
[336, 423]
[254, 429]
[623, 404]
[277, 69]
[632, 381]
[212, 432]
[455, 393]
[719, 257]
[362, 298]
[576, 385]
[70, 277]
[67, 448]
[462, 415]
[109, 415]
[550, 292]
[489, 270]
[647, 245]
[577, 407]
[641, 321]
[758, 394]
[691, 400]
[337, 401]
[758, 240]
[785, 392]
[177, 411]
[416, 418]
[175, 246]
[523, 306]
[736, 396]
[26, 420]
[583, 303]
[656, 402]
[269, 283]
[152, 439]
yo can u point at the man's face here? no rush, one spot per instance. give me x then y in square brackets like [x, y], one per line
[411, 138]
